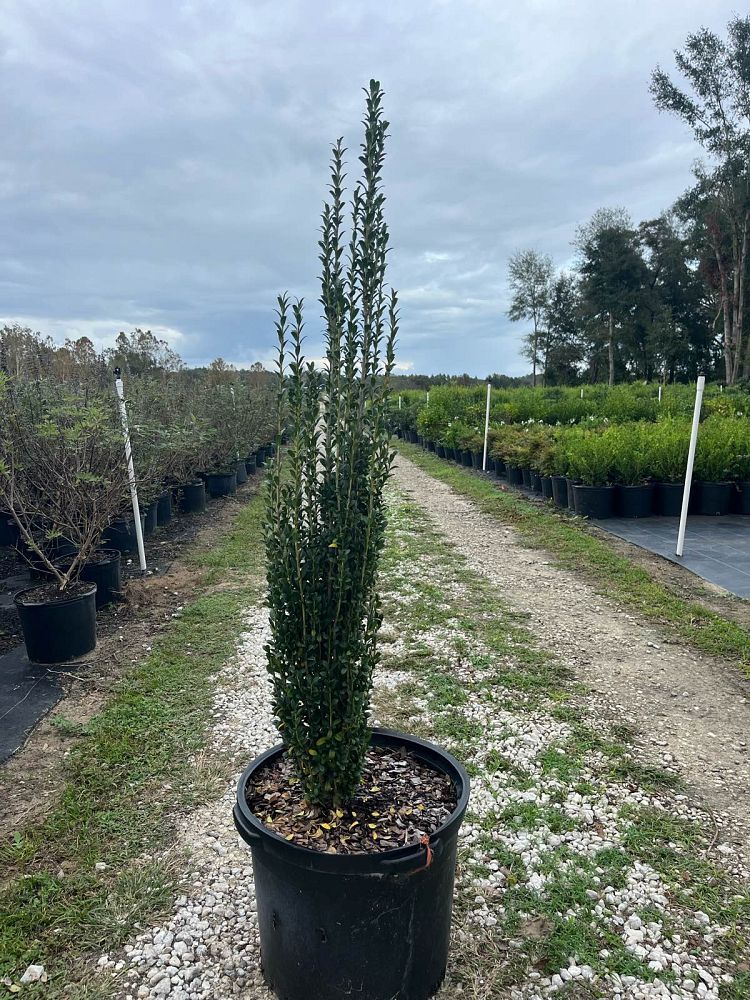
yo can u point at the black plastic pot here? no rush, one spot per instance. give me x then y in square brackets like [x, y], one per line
[741, 498]
[536, 482]
[107, 575]
[635, 501]
[121, 534]
[456, 455]
[594, 501]
[260, 457]
[560, 491]
[221, 484]
[668, 499]
[466, 458]
[476, 460]
[440, 450]
[8, 529]
[499, 467]
[570, 483]
[546, 482]
[193, 498]
[251, 466]
[514, 474]
[58, 630]
[149, 518]
[241, 473]
[370, 926]
[526, 478]
[430, 445]
[713, 498]
[164, 508]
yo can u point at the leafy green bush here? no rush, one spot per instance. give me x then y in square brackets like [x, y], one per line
[325, 524]
[667, 444]
[590, 459]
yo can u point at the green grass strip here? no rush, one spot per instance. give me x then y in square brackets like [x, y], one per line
[574, 547]
[124, 779]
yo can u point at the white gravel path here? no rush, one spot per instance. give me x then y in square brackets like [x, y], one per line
[208, 947]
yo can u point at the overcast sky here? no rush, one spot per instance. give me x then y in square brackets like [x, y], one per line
[163, 164]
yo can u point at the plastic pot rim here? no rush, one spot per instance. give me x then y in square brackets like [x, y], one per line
[69, 599]
[399, 859]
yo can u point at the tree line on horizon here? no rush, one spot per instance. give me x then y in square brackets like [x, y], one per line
[667, 298]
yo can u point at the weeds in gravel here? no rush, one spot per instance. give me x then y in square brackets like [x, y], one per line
[79, 881]
[573, 546]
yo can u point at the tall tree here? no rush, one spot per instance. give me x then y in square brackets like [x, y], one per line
[613, 273]
[563, 348]
[529, 276]
[715, 105]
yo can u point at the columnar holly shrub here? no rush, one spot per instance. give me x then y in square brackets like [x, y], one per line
[325, 522]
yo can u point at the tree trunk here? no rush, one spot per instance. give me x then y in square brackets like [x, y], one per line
[546, 359]
[533, 357]
[611, 347]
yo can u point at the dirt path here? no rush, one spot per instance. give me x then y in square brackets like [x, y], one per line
[690, 709]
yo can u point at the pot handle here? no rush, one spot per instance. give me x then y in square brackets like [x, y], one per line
[247, 833]
[424, 854]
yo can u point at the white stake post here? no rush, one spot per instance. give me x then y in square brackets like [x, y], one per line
[581, 392]
[399, 402]
[131, 470]
[691, 459]
[428, 397]
[660, 394]
[486, 427]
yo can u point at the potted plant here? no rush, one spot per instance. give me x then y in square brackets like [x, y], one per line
[669, 440]
[62, 478]
[354, 896]
[631, 468]
[589, 463]
[712, 470]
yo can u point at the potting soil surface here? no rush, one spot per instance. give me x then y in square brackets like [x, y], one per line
[716, 548]
[27, 692]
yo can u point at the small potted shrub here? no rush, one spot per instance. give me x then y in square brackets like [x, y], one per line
[589, 463]
[712, 471]
[631, 468]
[669, 441]
[354, 893]
[62, 478]
[740, 467]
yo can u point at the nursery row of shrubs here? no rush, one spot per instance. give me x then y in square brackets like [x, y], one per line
[631, 469]
[65, 500]
[465, 407]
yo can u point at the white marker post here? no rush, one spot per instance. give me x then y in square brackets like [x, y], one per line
[131, 470]
[691, 458]
[660, 393]
[428, 397]
[399, 402]
[486, 427]
[581, 392]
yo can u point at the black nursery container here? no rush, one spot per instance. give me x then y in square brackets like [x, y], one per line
[8, 529]
[499, 468]
[466, 458]
[370, 926]
[526, 478]
[634, 501]
[260, 457]
[569, 484]
[241, 472]
[560, 491]
[741, 498]
[594, 501]
[58, 630]
[149, 518]
[251, 466]
[193, 498]
[514, 474]
[106, 573]
[713, 498]
[221, 484]
[546, 482]
[668, 499]
[121, 534]
[164, 508]
[536, 481]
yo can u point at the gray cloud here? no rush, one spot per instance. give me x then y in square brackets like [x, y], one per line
[164, 164]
